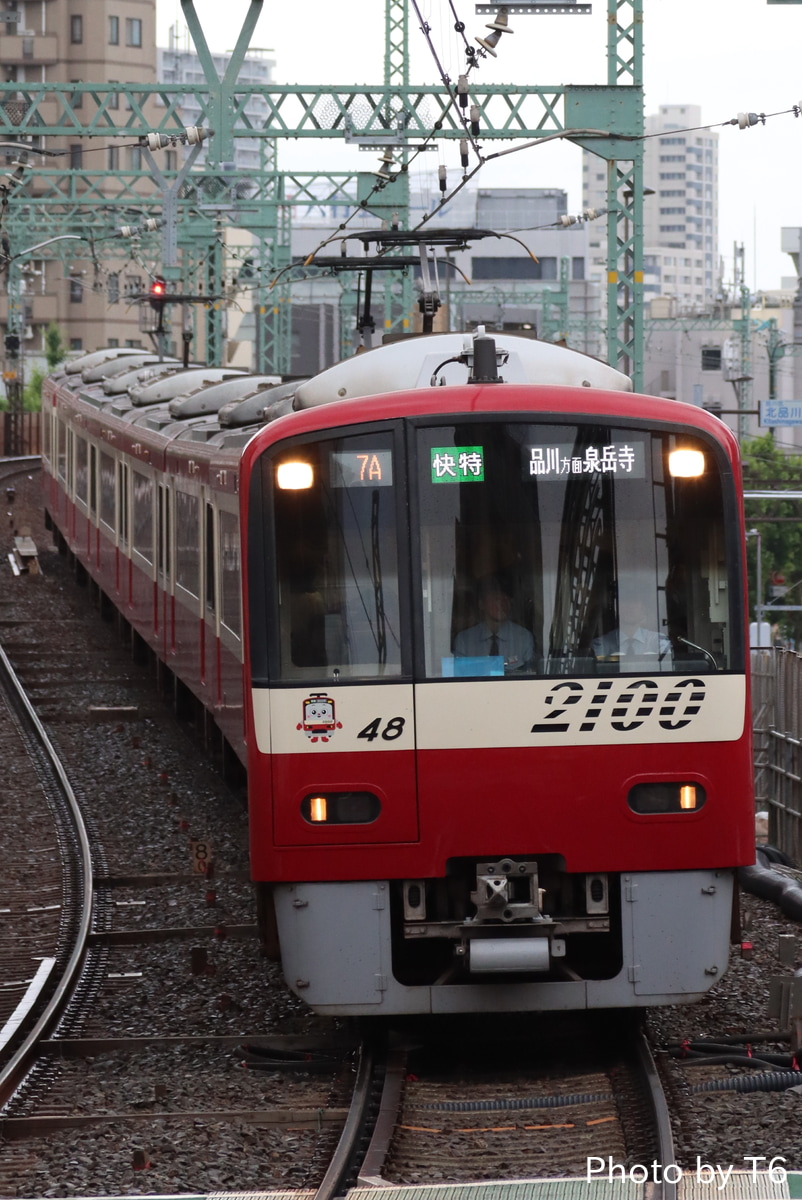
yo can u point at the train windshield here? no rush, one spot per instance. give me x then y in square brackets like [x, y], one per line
[337, 559]
[573, 549]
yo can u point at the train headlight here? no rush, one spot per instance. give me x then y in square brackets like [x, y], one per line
[294, 476]
[340, 808]
[666, 797]
[686, 464]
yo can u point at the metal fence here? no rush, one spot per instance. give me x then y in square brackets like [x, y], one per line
[764, 685]
[20, 433]
[777, 720]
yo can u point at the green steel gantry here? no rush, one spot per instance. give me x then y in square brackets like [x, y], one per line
[86, 200]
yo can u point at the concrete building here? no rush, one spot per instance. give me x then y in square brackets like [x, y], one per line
[83, 41]
[680, 212]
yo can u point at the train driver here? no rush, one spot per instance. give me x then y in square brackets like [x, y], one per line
[633, 637]
[496, 634]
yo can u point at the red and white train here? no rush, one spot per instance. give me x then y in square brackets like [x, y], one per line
[473, 615]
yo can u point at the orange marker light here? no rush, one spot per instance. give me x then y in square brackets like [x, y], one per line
[318, 808]
[687, 796]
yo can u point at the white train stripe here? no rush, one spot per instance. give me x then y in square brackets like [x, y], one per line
[581, 712]
[501, 714]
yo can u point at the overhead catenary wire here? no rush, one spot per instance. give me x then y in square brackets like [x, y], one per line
[742, 121]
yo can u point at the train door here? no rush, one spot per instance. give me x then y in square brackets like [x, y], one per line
[143, 549]
[107, 533]
[70, 488]
[209, 664]
[229, 577]
[80, 452]
[94, 528]
[187, 602]
[165, 614]
[60, 471]
[123, 533]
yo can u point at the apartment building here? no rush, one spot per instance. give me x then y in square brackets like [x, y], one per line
[680, 209]
[79, 41]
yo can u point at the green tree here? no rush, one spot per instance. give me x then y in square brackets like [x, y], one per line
[779, 522]
[32, 392]
[55, 346]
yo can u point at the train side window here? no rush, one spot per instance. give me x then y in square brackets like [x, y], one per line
[142, 487]
[187, 542]
[46, 431]
[107, 489]
[61, 450]
[230, 573]
[337, 598]
[80, 452]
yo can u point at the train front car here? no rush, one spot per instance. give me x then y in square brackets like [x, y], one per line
[500, 756]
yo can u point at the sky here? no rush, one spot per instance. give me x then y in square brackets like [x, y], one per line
[727, 56]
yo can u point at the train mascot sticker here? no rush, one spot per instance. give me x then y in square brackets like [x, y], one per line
[319, 721]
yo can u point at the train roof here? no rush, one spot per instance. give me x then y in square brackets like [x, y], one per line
[443, 357]
[222, 408]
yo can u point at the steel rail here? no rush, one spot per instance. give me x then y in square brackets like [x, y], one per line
[13, 1073]
[370, 1173]
[343, 1159]
[659, 1112]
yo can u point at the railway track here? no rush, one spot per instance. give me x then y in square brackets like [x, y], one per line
[420, 1117]
[51, 989]
[60, 1029]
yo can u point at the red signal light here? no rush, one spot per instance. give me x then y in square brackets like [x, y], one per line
[157, 295]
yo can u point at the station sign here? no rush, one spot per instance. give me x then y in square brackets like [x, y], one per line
[781, 412]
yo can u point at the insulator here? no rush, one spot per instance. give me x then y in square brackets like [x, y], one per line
[195, 134]
[567, 219]
[386, 162]
[496, 28]
[463, 151]
[462, 91]
[475, 120]
[747, 119]
[441, 178]
[394, 221]
[157, 141]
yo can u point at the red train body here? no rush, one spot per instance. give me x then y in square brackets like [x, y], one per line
[456, 804]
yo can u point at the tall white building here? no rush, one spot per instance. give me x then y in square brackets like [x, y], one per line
[181, 64]
[680, 211]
